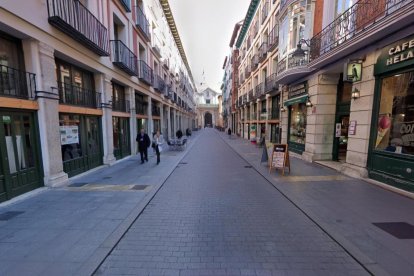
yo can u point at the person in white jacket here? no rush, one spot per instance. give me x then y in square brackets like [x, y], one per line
[159, 141]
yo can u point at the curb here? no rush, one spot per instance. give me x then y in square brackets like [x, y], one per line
[92, 264]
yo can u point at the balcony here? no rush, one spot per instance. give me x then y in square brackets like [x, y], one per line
[251, 95]
[17, 84]
[262, 51]
[361, 25]
[74, 19]
[166, 63]
[169, 92]
[120, 105]
[247, 71]
[259, 90]
[265, 11]
[141, 107]
[142, 23]
[123, 57]
[274, 114]
[291, 69]
[263, 115]
[144, 72]
[273, 38]
[159, 84]
[271, 83]
[126, 4]
[254, 116]
[244, 98]
[74, 95]
[255, 62]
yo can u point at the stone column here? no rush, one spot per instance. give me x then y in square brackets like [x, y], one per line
[150, 120]
[133, 119]
[169, 121]
[48, 114]
[284, 118]
[268, 112]
[321, 117]
[162, 118]
[104, 84]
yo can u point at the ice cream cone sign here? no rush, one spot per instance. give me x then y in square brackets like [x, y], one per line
[384, 124]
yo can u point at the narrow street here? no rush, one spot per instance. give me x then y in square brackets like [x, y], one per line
[216, 215]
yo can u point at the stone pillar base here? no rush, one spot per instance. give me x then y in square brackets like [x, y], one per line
[109, 159]
[354, 171]
[310, 157]
[57, 180]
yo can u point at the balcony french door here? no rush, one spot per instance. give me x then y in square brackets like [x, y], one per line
[19, 154]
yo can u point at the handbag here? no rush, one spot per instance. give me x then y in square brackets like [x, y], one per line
[153, 145]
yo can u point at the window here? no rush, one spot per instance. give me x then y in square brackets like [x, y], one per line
[395, 129]
[207, 101]
[297, 131]
[11, 53]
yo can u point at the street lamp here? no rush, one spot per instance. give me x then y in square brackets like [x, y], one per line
[308, 102]
[299, 54]
[355, 93]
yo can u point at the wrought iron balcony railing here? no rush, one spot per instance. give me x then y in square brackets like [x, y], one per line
[74, 19]
[259, 90]
[244, 98]
[255, 62]
[251, 95]
[274, 114]
[270, 82]
[126, 4]
[247, 71]
[120, 105]
[263, 51]
[155, 111]
[159, 84]
[123, 57]
[142, 23]
[144, 72]
[74, 95]
[273, 38]
[356, 19]
[141, 108]
[294, 62]
[17, 84]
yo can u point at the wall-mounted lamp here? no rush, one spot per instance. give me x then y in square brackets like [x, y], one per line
[308, 102]
[355, 93]
[283, 109]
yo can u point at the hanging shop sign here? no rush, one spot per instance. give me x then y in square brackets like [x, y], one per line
[396, 56]
[279, 158]
[69, 135]
[354, 72]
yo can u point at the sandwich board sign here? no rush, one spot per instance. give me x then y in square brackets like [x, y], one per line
[279, 158]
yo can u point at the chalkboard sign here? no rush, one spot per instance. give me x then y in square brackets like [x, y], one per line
[280, 158]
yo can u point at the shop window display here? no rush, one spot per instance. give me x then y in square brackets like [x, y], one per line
[395, 128]
[69, 137]
[297, 132]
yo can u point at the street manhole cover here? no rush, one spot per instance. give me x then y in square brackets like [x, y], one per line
[400, 230]
[183, 163]
[107, 177]
[139, 187]
[248, 167]
[9, 215]
[81, 184]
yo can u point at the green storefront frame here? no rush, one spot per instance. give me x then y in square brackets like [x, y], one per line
[90, 143]
[20, 159]
[393, 168]
[388, 167]
[122, 143]
[293, 146]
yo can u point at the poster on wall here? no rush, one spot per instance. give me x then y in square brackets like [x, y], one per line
[69, 135]
[354, 72]
[253, 132]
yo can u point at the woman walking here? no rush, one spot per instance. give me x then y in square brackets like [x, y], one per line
[158, 141]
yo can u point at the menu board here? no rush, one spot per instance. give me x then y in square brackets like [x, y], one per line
[280, 158]
[69, 135]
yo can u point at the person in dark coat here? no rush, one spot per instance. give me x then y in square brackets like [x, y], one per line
[143, 144]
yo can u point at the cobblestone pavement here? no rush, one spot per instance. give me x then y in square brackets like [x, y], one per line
[215, 215]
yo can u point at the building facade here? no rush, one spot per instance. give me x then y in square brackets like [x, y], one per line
[343, 74]
[208, 111]
[78, 78]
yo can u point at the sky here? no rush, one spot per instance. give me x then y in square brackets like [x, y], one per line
[205, 28]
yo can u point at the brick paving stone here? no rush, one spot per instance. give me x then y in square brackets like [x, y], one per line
[215, 217]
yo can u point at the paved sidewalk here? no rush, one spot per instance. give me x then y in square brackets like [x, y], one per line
[217, 216]
[346, 208]
[70, 230]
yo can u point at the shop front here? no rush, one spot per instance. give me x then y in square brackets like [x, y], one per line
[20, 164]
[122, 143]
[297, 112]
[81, 142]
[391, 153]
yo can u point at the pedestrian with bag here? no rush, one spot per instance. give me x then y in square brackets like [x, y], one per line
[158, 141]
[143, 144]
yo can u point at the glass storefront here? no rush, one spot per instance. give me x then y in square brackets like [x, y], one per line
[80, 139]
[395, 126]
[122, 146]
[297, 127]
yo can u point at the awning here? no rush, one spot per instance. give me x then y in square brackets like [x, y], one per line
[300, 99]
